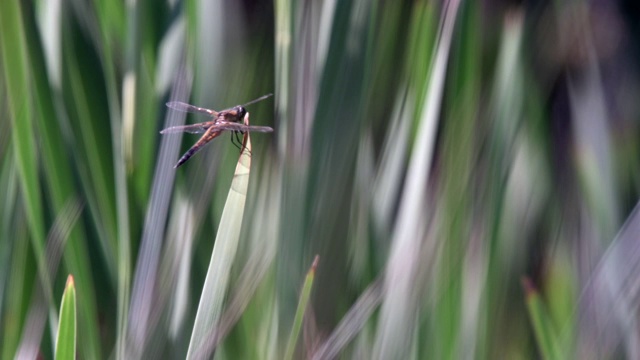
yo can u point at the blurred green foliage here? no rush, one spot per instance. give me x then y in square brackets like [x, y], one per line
[431, 154]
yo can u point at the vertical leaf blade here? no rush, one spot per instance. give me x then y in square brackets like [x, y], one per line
[542, 327]
[66, 339]
[224, 251]
[302, 306]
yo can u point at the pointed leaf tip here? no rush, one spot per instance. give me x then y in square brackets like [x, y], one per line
[70, 282]
[314, 265]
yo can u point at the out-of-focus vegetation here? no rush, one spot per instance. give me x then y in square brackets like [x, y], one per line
[467, 173]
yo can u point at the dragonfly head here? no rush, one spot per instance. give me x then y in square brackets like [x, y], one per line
[241, 111]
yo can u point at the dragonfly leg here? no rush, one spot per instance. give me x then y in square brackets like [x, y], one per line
[234, 140]
[238, 141]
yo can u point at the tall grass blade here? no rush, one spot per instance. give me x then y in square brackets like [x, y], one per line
[224, 252]
[19, 265]
[263, 243]
[283, 39]
[352, 322]
[58, 171]
[397, 319]
[543, 328]
[92, 150]
[8, 181]
[15, 63]
[42, 296]
[604, 302]
[66, 337]
[143, 293]
[300, 311]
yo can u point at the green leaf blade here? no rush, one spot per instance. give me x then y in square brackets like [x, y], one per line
[302, 307]
[224, 251]
[543, 329]
[66, 339]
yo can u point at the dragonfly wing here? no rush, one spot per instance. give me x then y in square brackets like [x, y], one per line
[241, 127]
[209, 135]
[184, 107]
[264, 129]
[193, 129]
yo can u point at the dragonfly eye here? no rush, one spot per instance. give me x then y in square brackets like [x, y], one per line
[241, 112]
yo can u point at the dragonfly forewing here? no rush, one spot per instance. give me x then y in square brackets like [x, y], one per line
[241, 127]
[193, 129]
[184, 107]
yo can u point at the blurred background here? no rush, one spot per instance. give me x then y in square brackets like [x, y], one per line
[466, 171]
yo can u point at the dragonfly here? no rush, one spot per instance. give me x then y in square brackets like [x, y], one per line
[224, 120]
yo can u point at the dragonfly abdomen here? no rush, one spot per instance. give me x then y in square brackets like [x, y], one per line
[208, 136]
